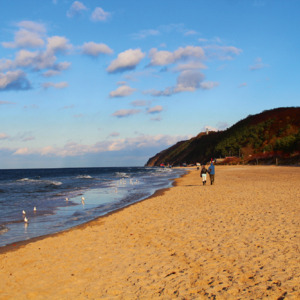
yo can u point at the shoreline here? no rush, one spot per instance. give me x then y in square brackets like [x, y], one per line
[17, 245]
[238, 238]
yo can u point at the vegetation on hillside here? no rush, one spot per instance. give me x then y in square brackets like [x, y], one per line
[268, 136]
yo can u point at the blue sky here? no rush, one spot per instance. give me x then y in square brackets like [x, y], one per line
[111, 83]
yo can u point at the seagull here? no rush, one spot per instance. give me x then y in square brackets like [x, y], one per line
[82, 198]
[24, 213]
[67, 199]
[34, 209]
[25, 220]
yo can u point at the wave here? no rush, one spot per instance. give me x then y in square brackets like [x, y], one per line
[38, 181]
[122, 174]
[84, 177]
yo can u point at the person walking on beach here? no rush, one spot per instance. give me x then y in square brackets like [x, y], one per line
[203, 174]
[211, 171]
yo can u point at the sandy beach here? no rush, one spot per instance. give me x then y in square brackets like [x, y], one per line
[236, 239]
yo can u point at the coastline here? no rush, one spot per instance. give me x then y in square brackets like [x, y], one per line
[16, 245]
[237, 238]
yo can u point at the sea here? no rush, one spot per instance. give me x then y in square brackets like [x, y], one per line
[38, 202]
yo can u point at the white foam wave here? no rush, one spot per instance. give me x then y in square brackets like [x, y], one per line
[84, 177]
[122, 174]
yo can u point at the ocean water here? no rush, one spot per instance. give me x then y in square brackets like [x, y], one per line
[57, 195]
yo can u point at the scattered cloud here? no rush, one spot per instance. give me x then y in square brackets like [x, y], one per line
[190, 32]
[192, 65]
[157, 119]
[208, 85]
[57, 69]
[242, 84]
[221, 52]
[142, 34]
[258, 65]
[28, 36]
[99, 15]
[155, 109]
[94, 49]
[68, 106]
[114, 134]
[125, 113]
[3, 136]
[187, 81]
[127, 60]
[76, 9]
[139, 103]
[6, 102]
[58, 85]
[162, 58]
[122, 91]
[58, 44]
[14, 80]
[222, 125]
[75, 149]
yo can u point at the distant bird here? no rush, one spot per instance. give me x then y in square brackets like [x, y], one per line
[82, 198]
[24, 213]
[34, 209]
[25, 220]
[67, 199]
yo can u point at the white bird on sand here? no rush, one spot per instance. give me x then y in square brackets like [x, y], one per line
[25, 220]
[82, 198]
[23, 212]
[67, 199]
[34, 209]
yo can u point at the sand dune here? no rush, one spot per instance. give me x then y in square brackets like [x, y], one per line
[237, 239]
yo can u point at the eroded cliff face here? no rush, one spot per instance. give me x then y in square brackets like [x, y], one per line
[267, 136]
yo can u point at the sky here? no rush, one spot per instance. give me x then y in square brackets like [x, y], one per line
[97, 83]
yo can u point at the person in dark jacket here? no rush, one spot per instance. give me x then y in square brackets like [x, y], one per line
[211, 171]
[203, 174]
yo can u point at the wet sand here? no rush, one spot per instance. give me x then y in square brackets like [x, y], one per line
[236, 239]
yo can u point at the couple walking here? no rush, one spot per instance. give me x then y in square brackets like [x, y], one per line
[210, 171]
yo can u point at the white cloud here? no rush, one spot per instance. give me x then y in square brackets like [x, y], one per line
[94, 49]
[122, 91]
[59, 85]
[125, 113]
[155, 109]
[145, 33]
[139, 103]
[193, 65]
[99, 15]
[126, 60]
[57, 69]
[161, 58]
[58, 44]
[76, 9]
[14, 80]
[114, 134]
[187, 81]
[6, 102]
[258, 65]
[75, 149]
[3, 136]
[30, 35]
[208, 85]
[221, 52]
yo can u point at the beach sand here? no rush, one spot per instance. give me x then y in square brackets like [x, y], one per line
[237, 239]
